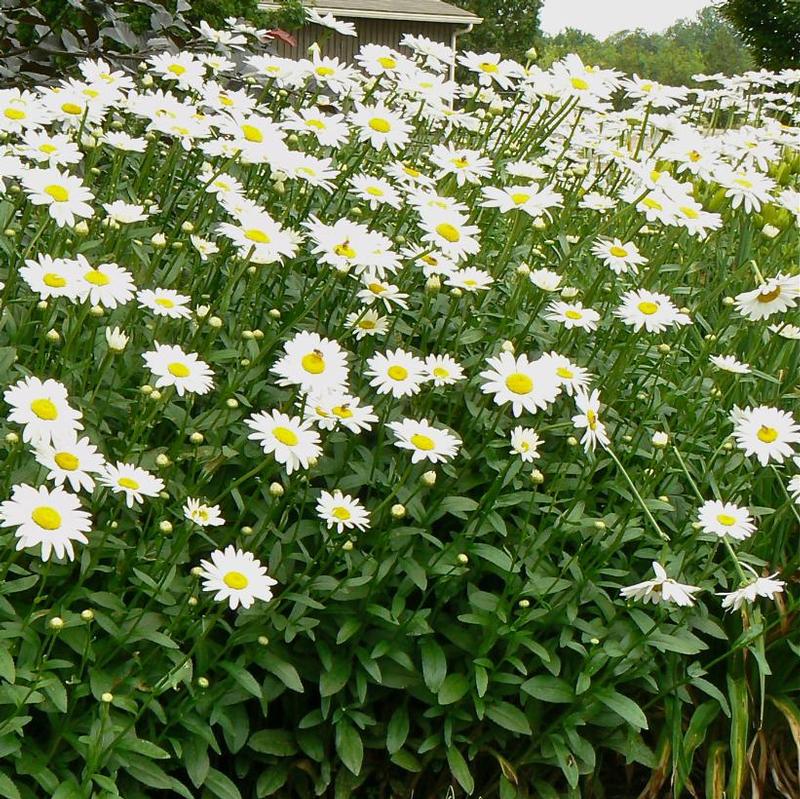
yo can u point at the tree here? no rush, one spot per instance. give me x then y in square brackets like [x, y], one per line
[770, 28]
[509, 27]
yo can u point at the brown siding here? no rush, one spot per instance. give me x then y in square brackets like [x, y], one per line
[370, 31]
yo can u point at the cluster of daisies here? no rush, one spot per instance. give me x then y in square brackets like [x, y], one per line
[381, 185]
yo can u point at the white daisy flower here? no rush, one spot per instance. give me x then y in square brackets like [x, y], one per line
[342, 511]
[174, 367]
[43, 408]
[768, 433]
[293, 443]
[726, 519]
[424, 440]
[132, 481]
[236, 576]
[528, 385]
[661, 589]
[202, 514]
[70, 460]
[525, 442]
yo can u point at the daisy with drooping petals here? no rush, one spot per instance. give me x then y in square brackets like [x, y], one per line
[649, 310]
[726, 519]
[132, 481]
[292, 442]
[729, 364]
[768, 433]
[588, 419]
[342, 511]
[776, 295]
[662, 589]
[572, 377]
[767, 587]
[396, 372]
[174, 367]
[424, 440]
[70, 460]
[525, 442]
[528, 385]
[236, 576]
[202, 514]
[43, 407]
[50, 518]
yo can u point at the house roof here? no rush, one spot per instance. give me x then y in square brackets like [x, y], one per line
[416, 10]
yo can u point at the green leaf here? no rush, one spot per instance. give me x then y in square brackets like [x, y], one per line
[273, 742]
[7, 788]
[623, 706]
[244, 678]
[220, 785]
[349, 746]
[434, 664]
[284, 671]
[331, 682]
[548, 689]
[509, 716]
[7, 670]
[460, 770]
[454, 687]
[397, 730]
[67, 790]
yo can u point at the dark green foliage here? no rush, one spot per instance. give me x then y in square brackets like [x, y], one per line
[770, 28]
[509, 27]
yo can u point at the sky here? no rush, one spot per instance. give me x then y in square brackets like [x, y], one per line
[603, 17]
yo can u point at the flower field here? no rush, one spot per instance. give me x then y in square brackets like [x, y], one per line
[369, 433]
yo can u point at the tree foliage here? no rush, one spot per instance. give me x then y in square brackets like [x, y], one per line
[509, 27]
[770, 28]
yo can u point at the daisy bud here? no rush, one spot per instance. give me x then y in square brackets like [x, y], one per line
[456, 292]
[594, 641]
[259, 334]
[187, 227]
[159, 240]
[429, 478]
[728, 446]
[196, 571]
[202, 311]
[697, 526]
[146, 389]
[196, 438]
[114, 525]
[42, 305]
[539, 223]
[162, 460]
[96, 311]
[398, 511]
[537, 478]
[12, 438]
[274, 313]
[599, 525]
[81, 228]
[770, 231]
[579, 169]
[203, 682]
[247, 530]
[14, 189]
[399, 239]
[664, 348]
[251, 270]
[107, 697]
[276, 490]
[641, 396]
[663, 498]
[165, 527]
[95, 170]
[155, 395]
[215, 322]
[627, 438]
[312, 462]
[524, 270]
[177, 245]
[347, 546]
[232, 402]
[507, 346]
[147, 81]
[244, 362]
[247, 335]
[569, 292]
[263, 640]
[292, 138]
[10, 232]
[357, 212]
[524, 603]
[660, 439]
[191, 601]
[56, 623]
[685, 310]
[433, 284]
[53, 336]
[116, 339]
[728, 301]
[573, 239]
[87, 615]
[462, 558]
[572, 441]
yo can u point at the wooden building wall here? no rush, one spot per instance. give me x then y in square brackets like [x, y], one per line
[370, 31]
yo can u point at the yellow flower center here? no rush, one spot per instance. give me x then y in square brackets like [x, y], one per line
[341, 513]
[96, 278]
[375, 191]
[519, 383]
[689, 213]
[767, 434]
[45, 409]
[324, 72]
[71, 108]
[422, 442]
[440, 371]
[256, 235]
[694, 156]
[54, 280]
[570, 314]
[91, 93]
[344, 250]
[285, 436]
[48, 149]
[647, 87]
[176, 69]
[744, 183]
[520, 198]
[387, 63]
[580, 84]
[367, 324]
[461, 163]
[654, 204]
[313, 363]
[14, 113]
[591, 418]
[66, 460]
[164, 302]
[46, 517]
[397, 372]
[315, 123]
[129, 483]
[769, 296]
[565, 373]
[58, 193]
[618, 252]
[724, 518]
[488, 67]
[648, 307]
[411, 172]
[448, 232]
[252, 133]
[342, 411]
[380, 125]
[178, 369]
[235, 580]
[225, 100]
